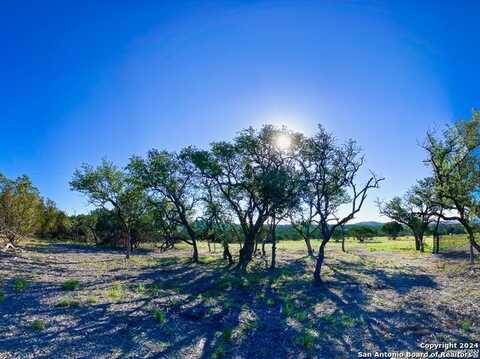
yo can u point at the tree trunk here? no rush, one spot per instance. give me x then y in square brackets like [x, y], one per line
[264, 252]
[227, 254]
[95, 237]
[309, 247]
[471, 238]
[343, 244]
[274, 245]
[246, 252]
[420, 240]
[417, 243]
[319, 263]
[436, 237]
[128, 244]
[195, 251]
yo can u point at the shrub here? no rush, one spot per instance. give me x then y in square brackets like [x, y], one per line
[2, 295]
[466, 326]
[306, 340]
[117, 292]
[159, 315]
[141, 288]
[38, 325]
[92, 300]
[20, 285]
[67, 302]
[227, 334]
[70, 285]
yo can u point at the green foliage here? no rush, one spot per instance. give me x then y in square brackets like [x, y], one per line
[159, 315]
[92, 299]
[117, 291]
[107, 186]
[227, 334]
[20, 285]
[454, 161]
[220, 351]
[67, 302]
[361, 233]
[141, 288]
[347, 320]
[392, 229]
[38, 325]
[466, 326]
[306, 340]
[415, 209]
[2, 295]
[70, 285]
[20, 208]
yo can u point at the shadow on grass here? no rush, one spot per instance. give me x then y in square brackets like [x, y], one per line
[209, 310]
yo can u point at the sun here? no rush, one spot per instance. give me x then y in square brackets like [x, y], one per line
[283, 142]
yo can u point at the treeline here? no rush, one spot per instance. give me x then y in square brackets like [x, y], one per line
[244, 190]
[24, 212]
[235, 191]
[451, 193]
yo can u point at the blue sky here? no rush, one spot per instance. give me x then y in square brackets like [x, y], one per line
[80, 81]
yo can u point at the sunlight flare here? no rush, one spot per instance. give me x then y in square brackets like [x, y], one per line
[283, 142]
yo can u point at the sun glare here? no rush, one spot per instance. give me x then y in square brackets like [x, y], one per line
[283, 142]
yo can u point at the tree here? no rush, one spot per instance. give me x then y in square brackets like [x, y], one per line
[87, 223]
[329, 174]
[392, 229]
[217, 219]
[53, 222]
[416, 209]
[171, 177]
[455, 163]
[20, 208]
[362, 232]
[109, 188]
[253, 180]
[302, 218]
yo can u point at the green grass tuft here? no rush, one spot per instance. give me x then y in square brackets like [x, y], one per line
[117, 292]
[159, 315]
[306, 340]
[67, 302]
[38, 325]
[466, 326]
[70, 285]
[227, 334]
[141, 289]
[92, 299]
[20, 285]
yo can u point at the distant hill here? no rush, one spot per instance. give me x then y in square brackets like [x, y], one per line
[366, 223]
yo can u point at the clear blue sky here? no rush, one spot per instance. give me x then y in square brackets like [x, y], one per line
[82, 80]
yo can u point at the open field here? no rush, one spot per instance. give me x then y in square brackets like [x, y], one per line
[78, 301]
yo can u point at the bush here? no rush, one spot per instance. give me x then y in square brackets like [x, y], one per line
[70, 285]
[20, 285]
[38, 325]
[117, 292]
[67, 302]
[159, 315]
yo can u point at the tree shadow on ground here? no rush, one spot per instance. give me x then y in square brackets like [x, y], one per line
[209, 310]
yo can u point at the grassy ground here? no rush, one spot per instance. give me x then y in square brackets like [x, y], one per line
[69, 300]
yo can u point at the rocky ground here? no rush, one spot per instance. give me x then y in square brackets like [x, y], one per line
[77, 301]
